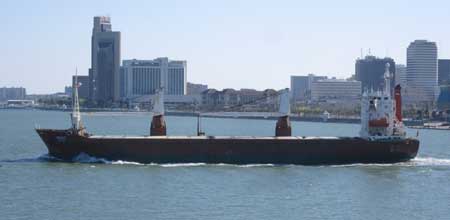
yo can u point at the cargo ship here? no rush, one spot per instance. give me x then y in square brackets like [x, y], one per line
[382, 139]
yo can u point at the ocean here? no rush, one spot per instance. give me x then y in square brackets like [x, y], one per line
[32, 187]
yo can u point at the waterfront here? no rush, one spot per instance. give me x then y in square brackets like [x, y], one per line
[33, 188]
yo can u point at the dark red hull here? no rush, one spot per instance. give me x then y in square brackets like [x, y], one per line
[233, 150]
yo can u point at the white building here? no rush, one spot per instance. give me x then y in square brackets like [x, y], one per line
[421, 72]
[301, 86]
[144, 77]
[335, 89]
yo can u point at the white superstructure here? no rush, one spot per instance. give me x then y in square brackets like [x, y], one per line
[379, 117]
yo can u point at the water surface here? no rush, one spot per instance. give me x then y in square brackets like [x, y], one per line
[92, 188]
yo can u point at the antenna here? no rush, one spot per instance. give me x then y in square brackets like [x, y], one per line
[158, 102]
[76, 116]
[362, 53]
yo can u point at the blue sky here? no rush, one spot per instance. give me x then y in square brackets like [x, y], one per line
[228, 44]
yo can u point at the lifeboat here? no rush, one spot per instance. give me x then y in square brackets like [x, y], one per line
[382, 122]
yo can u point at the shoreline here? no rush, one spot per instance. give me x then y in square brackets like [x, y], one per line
[240, 115]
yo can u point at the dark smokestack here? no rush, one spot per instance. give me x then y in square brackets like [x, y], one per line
[283, 127]
[158, 126]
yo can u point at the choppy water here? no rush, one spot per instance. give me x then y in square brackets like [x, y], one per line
[32, 187]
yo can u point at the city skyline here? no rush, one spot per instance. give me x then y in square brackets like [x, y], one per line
[227, 44]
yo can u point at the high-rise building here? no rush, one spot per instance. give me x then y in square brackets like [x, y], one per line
[83, 86]
[400, 75]
[105, 57]
[144, 77]
[12, 93]
[301, 86]
[421, 72]
[370, 72]
[444, 72]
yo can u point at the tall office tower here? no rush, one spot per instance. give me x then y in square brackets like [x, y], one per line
[104, 74]
[421, 72]
[144, 77]
[443, 72]
[301, 86]
[400, 75]
[370, 72]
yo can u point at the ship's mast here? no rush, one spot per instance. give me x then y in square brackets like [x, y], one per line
[76, 116]
[199, 125]
[387, 80]
[199, 122]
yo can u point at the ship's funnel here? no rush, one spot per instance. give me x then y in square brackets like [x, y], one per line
[158, 125]
[398, 102]
[283, 126]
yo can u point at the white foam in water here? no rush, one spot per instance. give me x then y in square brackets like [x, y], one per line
[182, 164]
[46, 157]
[121, 162]
[430, 161]
[257, 165]
[86, 158]
[205, 164]
[418, 161]
[245, 165]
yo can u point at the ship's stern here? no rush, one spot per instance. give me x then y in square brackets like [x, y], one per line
[403, 150]
[410, 147]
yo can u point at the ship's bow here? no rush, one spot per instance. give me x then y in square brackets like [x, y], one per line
[57, 142]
